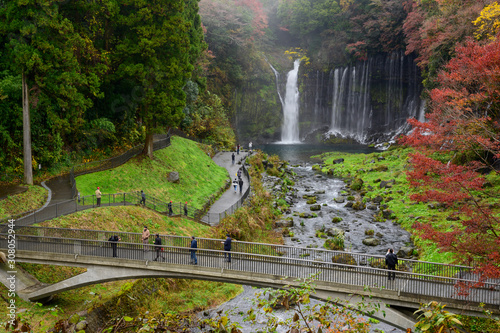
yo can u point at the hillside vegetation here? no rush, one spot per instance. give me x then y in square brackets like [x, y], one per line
[199, 176]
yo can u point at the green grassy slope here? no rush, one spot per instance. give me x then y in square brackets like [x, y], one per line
[200, 177]
[33, 198]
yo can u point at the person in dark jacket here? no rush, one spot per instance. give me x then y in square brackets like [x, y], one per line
[391, 260]
[170, 211]
[186, 208]
[227, 247]
[232, 158]
[194, 245]
[143, 198]
[158, 248]
[240, 183]
[114, 240]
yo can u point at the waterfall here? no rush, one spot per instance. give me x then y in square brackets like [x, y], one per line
[277, 75]
[290, 127]
[375, 97]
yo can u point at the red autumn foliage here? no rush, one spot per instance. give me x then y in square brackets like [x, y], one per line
[463, 122]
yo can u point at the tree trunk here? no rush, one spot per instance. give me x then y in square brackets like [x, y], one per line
[148, 145]
[28, 168]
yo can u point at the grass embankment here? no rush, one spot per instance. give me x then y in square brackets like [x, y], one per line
[199, 176]
[33, 198]
[392, 165]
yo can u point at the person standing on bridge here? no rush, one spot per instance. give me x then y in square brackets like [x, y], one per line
[114, 240]
[158, 247]
[227, 248]
[194, 245]
[98, 195]
[145, 238]
[391, 260]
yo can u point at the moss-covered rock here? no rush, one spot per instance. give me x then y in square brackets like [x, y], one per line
[357, 184]
[336, 219]
[311, 201]
[371, 241]
[315, 207]
[344, 259]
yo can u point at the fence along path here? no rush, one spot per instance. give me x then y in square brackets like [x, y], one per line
[74, 203]
[416, 278]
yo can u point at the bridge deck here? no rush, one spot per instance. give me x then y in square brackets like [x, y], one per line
[418, 286]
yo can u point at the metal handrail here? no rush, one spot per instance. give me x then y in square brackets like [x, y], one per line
[361, 276]
[285, 251]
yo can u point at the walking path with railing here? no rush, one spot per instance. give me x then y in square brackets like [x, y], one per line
[254, 264]
[64, 197]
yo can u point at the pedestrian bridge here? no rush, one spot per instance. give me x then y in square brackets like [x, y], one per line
[263, 265]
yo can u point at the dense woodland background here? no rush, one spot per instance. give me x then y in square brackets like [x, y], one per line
[105, 75]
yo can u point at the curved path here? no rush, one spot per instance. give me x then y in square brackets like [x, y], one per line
[61, 201]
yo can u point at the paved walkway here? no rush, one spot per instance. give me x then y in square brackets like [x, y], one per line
[228, 198]
[60, 201]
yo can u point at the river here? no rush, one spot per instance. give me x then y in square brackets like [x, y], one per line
[354, 223]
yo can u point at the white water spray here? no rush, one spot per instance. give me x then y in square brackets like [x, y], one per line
[290, 127]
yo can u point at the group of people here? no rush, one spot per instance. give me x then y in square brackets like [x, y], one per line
[98, 195]
[238, 181]
[158, 242]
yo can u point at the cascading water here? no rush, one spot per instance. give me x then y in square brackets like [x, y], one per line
[290, 127]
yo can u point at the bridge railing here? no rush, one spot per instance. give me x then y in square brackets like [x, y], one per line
[407, 283]
[319, 255]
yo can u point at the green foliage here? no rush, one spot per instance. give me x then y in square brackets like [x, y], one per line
[35, 197]
[434, 318]
[200, 177]
[332, 316]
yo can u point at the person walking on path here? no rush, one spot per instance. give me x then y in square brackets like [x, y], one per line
[238, 149]
[186, 208]
[170, 211]
[194, 245]
[391, 260]
[98, 195]
[114, 240]
[233, 158]
[240, 183]
[157, 247]
[145, 238]
[250, 147]
[143, 198]
[227, 248]
[239, 173]
[235, 184]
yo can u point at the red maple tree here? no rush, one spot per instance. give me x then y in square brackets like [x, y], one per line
[458, 143]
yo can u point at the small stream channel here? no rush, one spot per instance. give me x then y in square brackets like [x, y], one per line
[325, 188]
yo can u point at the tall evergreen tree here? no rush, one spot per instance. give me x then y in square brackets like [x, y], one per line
[153, 54]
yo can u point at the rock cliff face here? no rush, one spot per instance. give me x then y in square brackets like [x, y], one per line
[367, 101]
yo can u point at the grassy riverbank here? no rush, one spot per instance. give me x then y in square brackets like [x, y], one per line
[390, 166]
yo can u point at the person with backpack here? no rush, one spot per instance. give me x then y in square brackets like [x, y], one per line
[391, 260]
[227, 248]
[235, 184]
